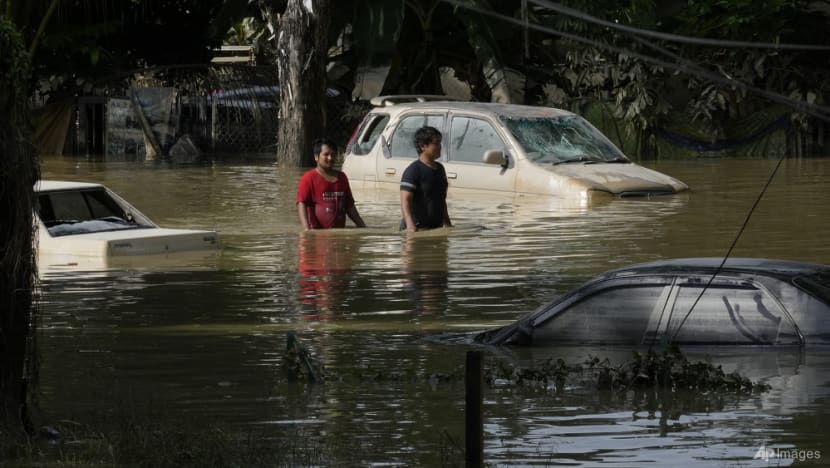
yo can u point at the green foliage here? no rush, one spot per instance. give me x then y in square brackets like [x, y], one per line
[607, 65]
[85, 41]
[378, 31]
[418, 37]
[14, 66]
[100, 37]
[730, 19]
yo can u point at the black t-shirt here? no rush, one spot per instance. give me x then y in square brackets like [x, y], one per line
[429, 187]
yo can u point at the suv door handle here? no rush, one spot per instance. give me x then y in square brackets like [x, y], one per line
[452, 175]
[389, 171]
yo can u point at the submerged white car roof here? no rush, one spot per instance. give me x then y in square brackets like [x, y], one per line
[50, 185]
[491, 108]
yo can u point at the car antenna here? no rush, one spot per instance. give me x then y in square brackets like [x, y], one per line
[729, 251]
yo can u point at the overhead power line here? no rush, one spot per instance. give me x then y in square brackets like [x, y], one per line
[681, 65]
[674, 37]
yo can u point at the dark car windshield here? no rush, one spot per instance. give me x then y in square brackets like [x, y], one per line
[562, 139]
[83, 211]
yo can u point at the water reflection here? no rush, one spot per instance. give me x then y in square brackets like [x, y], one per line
[425, 271]
[325, 269]
[589, 428]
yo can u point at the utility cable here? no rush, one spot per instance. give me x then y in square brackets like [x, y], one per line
[819, 112]
[674, 37]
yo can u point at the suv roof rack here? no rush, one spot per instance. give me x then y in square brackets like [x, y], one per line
[391, 100]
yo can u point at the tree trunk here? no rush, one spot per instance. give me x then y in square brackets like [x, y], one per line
[302, 51]
[18, 173]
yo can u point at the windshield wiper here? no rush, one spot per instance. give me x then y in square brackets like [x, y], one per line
[59, 222]
[618, 159]
[580, 159]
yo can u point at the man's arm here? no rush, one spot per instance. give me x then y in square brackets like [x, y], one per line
[351, 211]
[406, 210]
[355, 216]
[447, 221]
[303, 214]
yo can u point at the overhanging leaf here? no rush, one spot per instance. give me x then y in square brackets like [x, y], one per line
[506, 85]
[376, 30]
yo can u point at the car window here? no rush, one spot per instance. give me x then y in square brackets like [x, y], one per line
[76, 212]
[79, 206]
[561, 139]
[470, 138]
[809, 305]
[403, 143]
[374, 126]
[733, 313]
[817, 284]
[614, 315]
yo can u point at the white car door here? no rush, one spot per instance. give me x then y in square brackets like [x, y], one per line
[399, 150]
[469, 138]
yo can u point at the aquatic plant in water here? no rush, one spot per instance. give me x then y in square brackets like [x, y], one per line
[667, 370]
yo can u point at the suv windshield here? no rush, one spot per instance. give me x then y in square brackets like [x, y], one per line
[563, 139]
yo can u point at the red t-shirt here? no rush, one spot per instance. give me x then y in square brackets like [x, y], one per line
[326, 202]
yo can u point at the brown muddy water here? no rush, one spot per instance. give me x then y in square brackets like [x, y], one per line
[201, 338]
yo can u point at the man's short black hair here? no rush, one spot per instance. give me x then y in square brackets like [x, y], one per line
[424, 136]
[317, 145]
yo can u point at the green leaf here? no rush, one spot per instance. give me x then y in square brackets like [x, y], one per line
[506, 85]
[376, 30]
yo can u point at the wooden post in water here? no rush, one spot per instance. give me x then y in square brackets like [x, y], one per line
[149, 136]
[474, 422]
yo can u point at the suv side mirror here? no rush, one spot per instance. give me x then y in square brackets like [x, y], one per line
[494, 157]
[385, 147]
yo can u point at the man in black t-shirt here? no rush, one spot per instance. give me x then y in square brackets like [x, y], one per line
[424, 185]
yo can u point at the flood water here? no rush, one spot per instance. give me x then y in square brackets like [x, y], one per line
[202, 338]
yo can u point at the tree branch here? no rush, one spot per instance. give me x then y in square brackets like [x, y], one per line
[42, 27]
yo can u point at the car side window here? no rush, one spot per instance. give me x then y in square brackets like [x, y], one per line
[809, 304]
[734, 313]
[402, 144]
[77, 206]
[470, 138]
[373, 128]
[613, 315]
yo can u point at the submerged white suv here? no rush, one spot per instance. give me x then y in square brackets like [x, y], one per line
[498, 147]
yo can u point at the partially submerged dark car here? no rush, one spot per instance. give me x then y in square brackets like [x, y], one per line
[749, 301]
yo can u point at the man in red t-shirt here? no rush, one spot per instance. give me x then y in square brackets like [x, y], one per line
[324, 197]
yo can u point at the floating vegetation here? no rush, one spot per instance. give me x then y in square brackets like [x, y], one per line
[671, 370]
[299, 363]
[667, 370]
